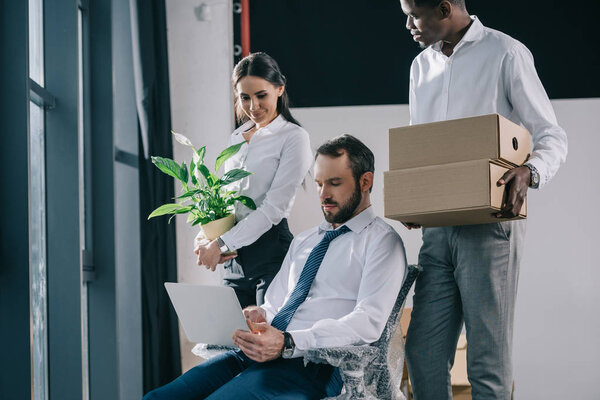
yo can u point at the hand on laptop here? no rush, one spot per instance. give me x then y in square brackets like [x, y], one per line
[264, 346]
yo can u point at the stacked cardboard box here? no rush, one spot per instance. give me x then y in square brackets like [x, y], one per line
[445, 173]
[461, 387]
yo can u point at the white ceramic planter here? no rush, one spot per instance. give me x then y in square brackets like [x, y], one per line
[214, 229]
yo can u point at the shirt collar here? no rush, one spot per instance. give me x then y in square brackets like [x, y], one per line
[473, 34]
[273, 126]
[356, 223]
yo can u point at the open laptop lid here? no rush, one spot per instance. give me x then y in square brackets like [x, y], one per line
[209, 314]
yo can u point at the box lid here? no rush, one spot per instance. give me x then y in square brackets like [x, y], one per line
[487, 136]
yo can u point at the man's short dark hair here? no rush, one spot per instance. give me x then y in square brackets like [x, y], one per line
[435, 3]
[361, 157]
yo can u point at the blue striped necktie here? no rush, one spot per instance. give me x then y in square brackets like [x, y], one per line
[307, 276]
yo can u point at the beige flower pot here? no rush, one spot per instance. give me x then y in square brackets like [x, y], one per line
[214, 229]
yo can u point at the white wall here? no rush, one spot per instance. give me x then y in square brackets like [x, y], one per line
[557, 333]
[557, 327]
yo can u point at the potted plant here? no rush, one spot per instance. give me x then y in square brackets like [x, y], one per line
[205, 196]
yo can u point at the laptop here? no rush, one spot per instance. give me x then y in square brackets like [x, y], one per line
[208, 314]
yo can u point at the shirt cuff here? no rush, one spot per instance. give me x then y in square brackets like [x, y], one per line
[228, 240]
[303, 340]
[540, 167]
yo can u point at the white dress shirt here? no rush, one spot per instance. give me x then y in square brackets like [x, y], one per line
[488, 72]
[354, 290]
[279, 156]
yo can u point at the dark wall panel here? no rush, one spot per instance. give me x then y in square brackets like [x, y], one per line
[359, 53]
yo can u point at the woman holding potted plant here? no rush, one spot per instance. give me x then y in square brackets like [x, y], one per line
[277, 150]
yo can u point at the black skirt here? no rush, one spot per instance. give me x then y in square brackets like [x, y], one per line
[251, 272]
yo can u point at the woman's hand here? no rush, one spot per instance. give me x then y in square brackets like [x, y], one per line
[209, 254]
[198, 240]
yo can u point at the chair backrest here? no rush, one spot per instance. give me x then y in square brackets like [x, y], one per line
[392, 322]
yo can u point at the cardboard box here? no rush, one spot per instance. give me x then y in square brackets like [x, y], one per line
[462, 193]
[484, 137]
[461, 393]
[458, 373]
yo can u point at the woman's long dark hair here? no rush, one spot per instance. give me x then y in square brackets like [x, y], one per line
[264, 66]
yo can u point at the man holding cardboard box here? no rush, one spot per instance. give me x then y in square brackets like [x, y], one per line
[470, 272]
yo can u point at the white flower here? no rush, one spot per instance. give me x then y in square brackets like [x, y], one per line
[182, 139]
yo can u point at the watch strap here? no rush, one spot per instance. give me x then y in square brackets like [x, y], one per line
[222, 246]
[288, 345]
[534, 181]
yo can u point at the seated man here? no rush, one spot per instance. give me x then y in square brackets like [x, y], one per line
[336, 287]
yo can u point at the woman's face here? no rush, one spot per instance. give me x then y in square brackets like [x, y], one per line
[258, 99]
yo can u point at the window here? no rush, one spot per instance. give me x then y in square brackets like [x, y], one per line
[37, 205]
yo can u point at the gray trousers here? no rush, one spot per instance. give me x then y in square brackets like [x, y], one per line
[470, 275]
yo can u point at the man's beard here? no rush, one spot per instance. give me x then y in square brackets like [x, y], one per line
[346, 210]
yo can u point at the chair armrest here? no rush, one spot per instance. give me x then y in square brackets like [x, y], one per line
[346, 357]
[207, 351]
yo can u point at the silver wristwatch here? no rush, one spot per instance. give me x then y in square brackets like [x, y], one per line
[288, 345]
[534, 182]
[222, 246]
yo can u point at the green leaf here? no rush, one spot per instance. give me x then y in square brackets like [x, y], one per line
[213, 181]
[247, 201]
[196, 221]
[183, 210]
[189, 193]
[204, 171]
[225, 154]
[193, 173]
[170, 208]
[167, 166]
[234, 175]
[183, 173]
[201, 152]
[182, 139]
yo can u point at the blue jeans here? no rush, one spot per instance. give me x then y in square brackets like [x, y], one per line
[232, 375]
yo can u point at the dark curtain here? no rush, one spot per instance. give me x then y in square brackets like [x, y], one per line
[159, 262]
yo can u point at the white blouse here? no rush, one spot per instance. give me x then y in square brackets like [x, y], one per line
[279, 156]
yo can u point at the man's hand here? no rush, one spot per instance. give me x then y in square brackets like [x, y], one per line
[517, 181]
[266, 345]
[254, 315]
[209, 254]
[410, 226]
